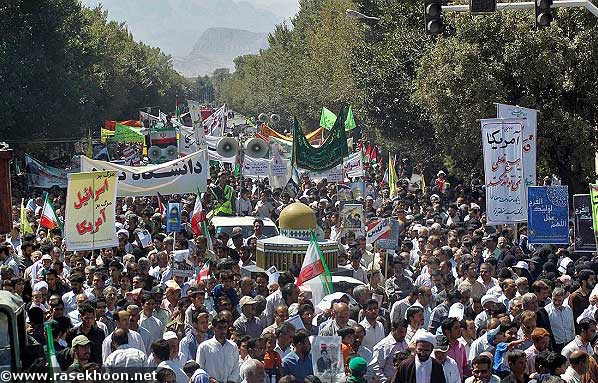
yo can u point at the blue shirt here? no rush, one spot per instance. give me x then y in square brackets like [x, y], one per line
[299, 368]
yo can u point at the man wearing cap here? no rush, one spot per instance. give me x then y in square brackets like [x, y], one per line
[358, 367]
[90, 330]
[247, 323]
[421, 368]
[489, 302]
[175, 356]
[80, 348]
[449, 366]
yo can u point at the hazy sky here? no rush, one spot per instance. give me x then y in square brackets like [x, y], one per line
[284, 8]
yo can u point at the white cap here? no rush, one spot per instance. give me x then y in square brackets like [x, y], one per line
[46, 257]
[489, 298]
[457, 310]
[169, 335]
[522, 265]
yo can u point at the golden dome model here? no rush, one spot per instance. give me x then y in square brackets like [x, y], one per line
[297, 216]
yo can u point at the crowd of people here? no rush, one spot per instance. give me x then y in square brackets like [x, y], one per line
[457, 301]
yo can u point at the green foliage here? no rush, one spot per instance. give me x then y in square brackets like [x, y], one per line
[501, 58]
[65, 68]
[304, 68]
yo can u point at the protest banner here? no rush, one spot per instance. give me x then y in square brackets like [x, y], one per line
[256, 167]
[352, 218]
[390, 240]
[40, 175]
[506, 196]
[594, 202]
[90, 211]
[332, 175]
[183, 175]
[583, 229]
[353, 165]
[173, 217]
[181, 264]
[377, 229]
[358, 189]
[327, 359]
[548, 215]
[529, 137]
[278, 167]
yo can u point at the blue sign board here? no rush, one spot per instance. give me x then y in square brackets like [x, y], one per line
[548, 215]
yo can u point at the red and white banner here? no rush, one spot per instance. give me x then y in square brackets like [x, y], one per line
[378, 230]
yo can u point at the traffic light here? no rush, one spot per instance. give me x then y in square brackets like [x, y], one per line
[433, 16]
[543, 13]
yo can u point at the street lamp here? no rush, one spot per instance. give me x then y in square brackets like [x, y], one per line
[358, 15]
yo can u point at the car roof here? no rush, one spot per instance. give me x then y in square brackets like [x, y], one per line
[239, 221]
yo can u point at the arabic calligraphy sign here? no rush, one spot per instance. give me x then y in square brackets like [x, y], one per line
[353, 165]
[377, 230]
[583, 229]
[183, 175]
[548, 215]
[506, 197]
[594, 202]
[254, 167]
[90, 215]
[529, 137]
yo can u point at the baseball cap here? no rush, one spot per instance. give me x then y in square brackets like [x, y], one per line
[46, 257]
[442, 343]
[247, 300]
[169, 335]
[358, 364]
[80, 340]
[522, 265]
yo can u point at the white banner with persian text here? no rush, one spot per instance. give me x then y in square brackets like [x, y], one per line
[506, 195]
[529, 137]
[353, 165]
[183, 175]
[256, 168]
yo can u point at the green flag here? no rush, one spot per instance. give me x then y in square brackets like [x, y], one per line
[327, 119]
[324, 157]
[350, 121]
[124, 133]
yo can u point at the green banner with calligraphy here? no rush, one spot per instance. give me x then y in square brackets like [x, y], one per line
[326, 156]
[594, 202]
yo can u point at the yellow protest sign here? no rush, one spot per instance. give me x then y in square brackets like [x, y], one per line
[90, 211]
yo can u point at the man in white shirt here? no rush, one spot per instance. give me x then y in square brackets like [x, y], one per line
[218, 356]
[384, 351]
[482, 371]
[423, 300]
[587, 331]
[561, 318]
[284, 337]
[124, 355]
[579, 362]
[451, 370]
[149, 322]
[374, 330]
[161, 353]
[121, 319]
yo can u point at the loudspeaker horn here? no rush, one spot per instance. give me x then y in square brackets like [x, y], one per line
[256, 148]
[275, 118]
[263, 117]
[171, 152]
[154, 153]
[227, 147]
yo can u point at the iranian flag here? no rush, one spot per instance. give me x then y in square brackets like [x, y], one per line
[198, 218]
[49, 219]
[204, 273]
[314, 272]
